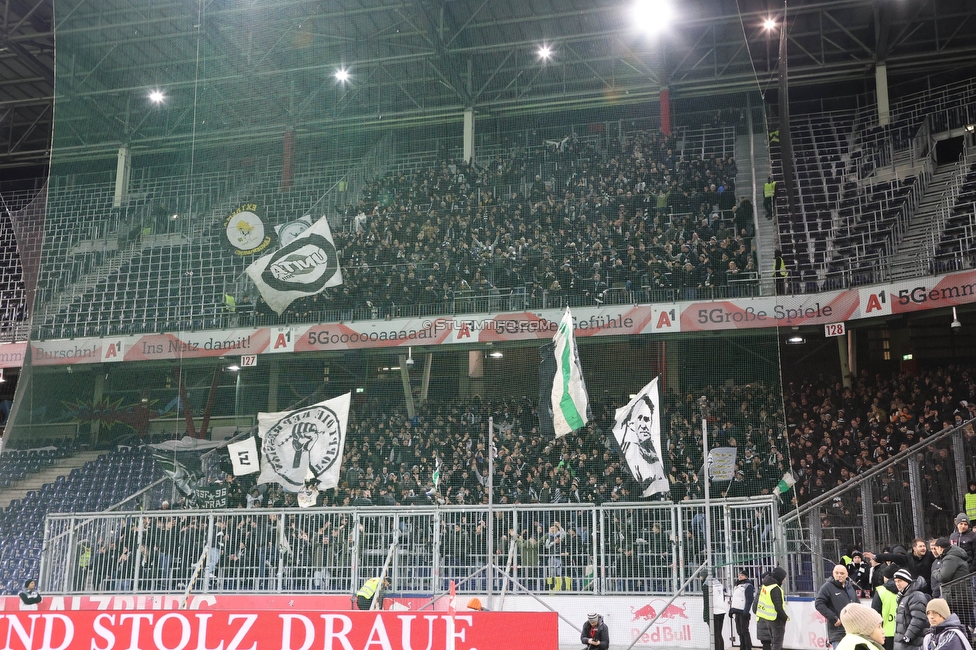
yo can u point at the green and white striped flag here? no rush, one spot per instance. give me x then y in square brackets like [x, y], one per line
[570, 403]
[786, 483]
[437, 471]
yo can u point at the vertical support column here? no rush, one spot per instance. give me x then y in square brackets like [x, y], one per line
[469, 135]
[287, 153]
[99, 390]
[407, 388]
[867, 515]
[476, 372]
[123, 169]
[665, 100]
[273, 374]
[425, 383]
[881, 87]
[816, 546]
[845, 367]
[959, 460]
[915, 491]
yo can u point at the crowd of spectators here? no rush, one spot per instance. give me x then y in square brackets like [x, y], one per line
[561, 218]
[836, 433]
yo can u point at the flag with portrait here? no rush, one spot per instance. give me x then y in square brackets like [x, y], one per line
[637, 430]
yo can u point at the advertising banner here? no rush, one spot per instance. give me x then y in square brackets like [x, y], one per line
[829, 307]
[265, 630]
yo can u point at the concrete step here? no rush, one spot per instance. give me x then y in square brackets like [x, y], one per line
[61, 467]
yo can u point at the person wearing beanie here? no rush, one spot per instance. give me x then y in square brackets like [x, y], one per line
[770, 610]
[743, 593]
[965, 538]
[863, 626]
[833, 596]
[910, 620]
[596, 635]
[858, 571]
[948, 572]
[948, 576]
[29, 595]
[885, 603]
[947, 632]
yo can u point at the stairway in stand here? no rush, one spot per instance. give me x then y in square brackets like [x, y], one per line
[913, 256]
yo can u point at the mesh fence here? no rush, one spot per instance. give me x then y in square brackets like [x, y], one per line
[190, 144]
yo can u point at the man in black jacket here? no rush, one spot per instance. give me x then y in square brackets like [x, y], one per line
[596, 635]
[743, 593]
[834, 595]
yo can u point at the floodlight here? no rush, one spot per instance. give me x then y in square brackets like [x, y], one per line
[156, 96]
[769, 24]
[545, 52]
[234, 368]
[652, 16]
[796, 339]
[342, 75]
[497, 354]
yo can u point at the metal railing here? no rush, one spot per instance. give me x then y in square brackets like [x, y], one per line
[608, 549]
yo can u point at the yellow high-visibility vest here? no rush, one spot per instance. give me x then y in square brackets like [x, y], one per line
[765, 608]
[369, 588]
[889, 607]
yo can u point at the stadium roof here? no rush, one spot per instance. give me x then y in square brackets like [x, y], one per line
[422, 61]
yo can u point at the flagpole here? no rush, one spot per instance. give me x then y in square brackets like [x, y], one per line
[708, 526]
[489, 545]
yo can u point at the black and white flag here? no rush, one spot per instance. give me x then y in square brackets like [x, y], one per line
[244, 457]
[637, 429]
[304, 444]
[184, 468]
[306, 266]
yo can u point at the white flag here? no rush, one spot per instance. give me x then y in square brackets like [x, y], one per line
[722, 466]
[304, 267]
[570, 403]
[638, 432]
[244, 457]
[307, 441]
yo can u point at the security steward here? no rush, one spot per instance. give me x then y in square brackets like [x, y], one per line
[885, 602]
[770, 609]
[372, 590]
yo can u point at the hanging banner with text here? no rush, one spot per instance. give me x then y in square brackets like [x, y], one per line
[820, 309]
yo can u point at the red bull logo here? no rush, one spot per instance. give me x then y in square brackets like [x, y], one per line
[673, 611]
[662, 634]
[646, 612]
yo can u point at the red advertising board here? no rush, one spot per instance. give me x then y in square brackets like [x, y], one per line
[266, 630]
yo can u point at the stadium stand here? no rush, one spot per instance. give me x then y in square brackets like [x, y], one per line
[448, 237]
[859, 184]
[81, 490]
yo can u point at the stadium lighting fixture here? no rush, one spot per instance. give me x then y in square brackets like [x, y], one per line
[769, 24]
[545, 52]
[497, 354]
[970, 128]
[796, 339]
[342, 75]
[234, 368]
[652, 16]
[156, 96]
